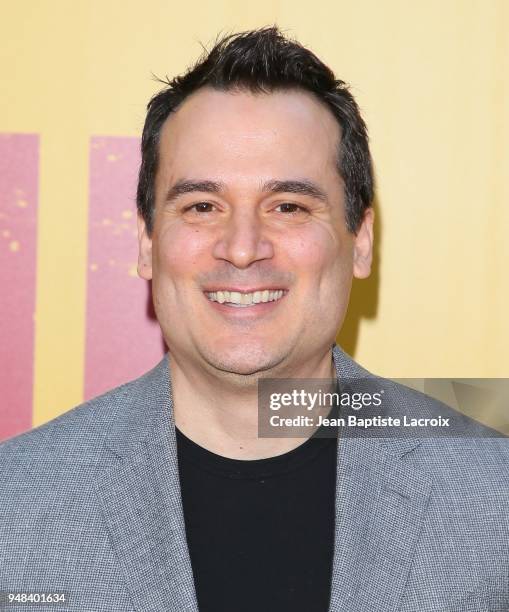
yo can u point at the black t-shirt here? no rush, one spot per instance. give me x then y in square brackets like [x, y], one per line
[260, 532]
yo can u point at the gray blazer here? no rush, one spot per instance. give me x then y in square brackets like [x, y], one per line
[90, 504]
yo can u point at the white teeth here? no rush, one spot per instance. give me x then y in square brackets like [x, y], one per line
[236, 298]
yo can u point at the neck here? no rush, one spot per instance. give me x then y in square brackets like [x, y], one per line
[220, 413]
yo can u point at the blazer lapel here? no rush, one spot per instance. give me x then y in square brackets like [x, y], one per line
[141, 501]
[380, 505]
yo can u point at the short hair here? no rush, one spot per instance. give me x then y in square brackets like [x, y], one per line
[264, 61]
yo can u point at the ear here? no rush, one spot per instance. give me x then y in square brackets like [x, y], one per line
[144, 250]
[363, 246]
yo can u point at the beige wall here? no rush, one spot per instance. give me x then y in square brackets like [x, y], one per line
[432, 80]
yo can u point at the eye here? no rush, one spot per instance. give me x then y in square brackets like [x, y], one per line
[290, 208]
[200, 207]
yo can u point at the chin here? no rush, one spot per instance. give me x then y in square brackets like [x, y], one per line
[244, 360]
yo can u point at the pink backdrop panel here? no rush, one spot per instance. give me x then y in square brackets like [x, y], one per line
[123, 339]
[19, 169]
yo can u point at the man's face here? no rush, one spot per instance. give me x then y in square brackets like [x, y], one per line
[249, 202]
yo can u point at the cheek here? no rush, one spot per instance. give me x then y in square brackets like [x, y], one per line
[319, 254]
[181, 250]
[323, 260]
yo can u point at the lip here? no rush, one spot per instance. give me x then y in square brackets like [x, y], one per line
[215, 288]
[251, 312]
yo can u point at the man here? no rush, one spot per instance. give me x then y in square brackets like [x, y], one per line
[254, 201]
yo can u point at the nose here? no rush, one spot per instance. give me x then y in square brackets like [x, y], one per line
[242, 240]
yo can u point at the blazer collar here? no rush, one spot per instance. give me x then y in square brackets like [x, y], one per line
[381, 501]
[380, 504]
[141, 498]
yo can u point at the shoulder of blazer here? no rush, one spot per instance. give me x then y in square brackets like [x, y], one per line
[432, 452]
[96, 431]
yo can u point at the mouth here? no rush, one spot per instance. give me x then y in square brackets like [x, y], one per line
[251, 299]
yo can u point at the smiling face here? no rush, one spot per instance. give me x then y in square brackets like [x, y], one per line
[250, 258]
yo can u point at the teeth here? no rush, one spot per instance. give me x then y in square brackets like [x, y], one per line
[245, 299]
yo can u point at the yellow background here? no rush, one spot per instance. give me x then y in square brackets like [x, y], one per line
[432, 80]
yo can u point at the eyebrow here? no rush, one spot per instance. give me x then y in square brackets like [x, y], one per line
[301, 187]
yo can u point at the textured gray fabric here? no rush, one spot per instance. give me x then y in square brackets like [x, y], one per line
[90, 504]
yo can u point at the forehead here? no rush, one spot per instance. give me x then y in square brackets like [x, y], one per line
[241, 135]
